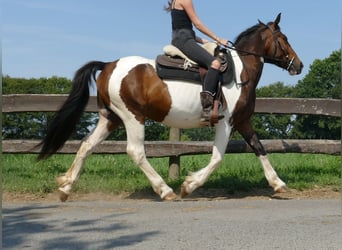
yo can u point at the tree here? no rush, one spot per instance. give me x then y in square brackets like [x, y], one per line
[154, 131]
[269, 126]
[322, 81]
[33, 125]
[198, 134]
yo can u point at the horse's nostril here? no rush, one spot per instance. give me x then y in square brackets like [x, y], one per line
[300, 68]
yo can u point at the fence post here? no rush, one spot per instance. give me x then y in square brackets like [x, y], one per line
[174, 161]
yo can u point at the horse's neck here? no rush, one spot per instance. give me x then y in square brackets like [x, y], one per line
[253, 64]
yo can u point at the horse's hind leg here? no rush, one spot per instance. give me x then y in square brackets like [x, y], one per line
[251, 138]
[136, 150]
[106, 124]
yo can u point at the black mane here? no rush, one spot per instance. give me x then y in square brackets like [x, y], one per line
[249, 32]
[252, 30]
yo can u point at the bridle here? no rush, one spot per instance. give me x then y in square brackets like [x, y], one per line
[289, 62]
[271, 59]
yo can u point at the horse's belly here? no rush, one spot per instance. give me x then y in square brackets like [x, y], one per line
[179, 121]
[186, 107]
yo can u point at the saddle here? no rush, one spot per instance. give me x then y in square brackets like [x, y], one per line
[174, 65]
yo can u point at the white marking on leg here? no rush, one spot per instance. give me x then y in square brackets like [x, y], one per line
[136, 150]
[100, 133]
[197, 179]
[271, 175]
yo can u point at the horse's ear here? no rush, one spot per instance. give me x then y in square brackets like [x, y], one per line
[260, 22]
[277, 20]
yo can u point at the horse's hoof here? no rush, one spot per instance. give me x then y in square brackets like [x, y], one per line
[183, 191]
[281, 189]
[63, 196]
[170, 197]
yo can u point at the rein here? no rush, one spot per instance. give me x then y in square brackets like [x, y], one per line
[252, 53]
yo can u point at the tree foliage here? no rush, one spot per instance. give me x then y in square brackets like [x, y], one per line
[33, 125]
[322, 81]
[269, 126]
[154, 131]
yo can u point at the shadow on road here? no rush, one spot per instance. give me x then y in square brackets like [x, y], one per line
[47, 223]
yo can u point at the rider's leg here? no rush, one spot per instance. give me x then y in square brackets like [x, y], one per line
[209, 89]
[187, 44]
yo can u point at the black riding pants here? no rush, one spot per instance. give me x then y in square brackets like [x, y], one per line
[185, 40]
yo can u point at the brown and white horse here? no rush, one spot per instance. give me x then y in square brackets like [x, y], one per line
[129, 91]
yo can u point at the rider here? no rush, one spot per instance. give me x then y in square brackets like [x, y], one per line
[184, 38]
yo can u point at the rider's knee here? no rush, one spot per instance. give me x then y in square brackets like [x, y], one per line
[216, 64]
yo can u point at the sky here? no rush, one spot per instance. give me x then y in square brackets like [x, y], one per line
[45, 38]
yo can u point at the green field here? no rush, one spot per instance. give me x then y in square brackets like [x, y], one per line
[117, 173]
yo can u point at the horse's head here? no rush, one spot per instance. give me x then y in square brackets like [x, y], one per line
[278, 50]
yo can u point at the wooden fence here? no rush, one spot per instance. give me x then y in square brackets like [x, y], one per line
[173, 148]
[42, 103]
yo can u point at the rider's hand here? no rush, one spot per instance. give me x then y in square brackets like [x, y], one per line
[223, 42]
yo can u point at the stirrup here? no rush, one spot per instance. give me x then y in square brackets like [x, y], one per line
[212, 116]
[205, 118]
[215, 113]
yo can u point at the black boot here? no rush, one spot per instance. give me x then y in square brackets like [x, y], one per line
[207, 101]
[208, 94]
[211, 80]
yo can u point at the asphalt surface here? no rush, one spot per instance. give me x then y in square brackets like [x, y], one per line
[203, 224]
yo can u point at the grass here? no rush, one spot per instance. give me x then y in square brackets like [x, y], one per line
[117, 173]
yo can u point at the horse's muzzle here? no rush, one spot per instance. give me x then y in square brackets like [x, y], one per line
[295, 66]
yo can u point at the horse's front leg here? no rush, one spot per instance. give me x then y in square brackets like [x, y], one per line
[107, 123]
[197, 179]
[248, 133]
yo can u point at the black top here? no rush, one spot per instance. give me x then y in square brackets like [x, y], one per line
[180, 20]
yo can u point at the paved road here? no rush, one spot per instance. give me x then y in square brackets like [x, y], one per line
[136, 224]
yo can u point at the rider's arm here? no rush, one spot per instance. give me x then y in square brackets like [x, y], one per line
[190, 10]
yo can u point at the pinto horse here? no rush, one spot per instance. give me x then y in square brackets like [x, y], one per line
[130, 91]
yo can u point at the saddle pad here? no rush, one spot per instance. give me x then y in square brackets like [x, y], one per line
[173, 51]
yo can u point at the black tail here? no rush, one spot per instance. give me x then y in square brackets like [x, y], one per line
[65, 120]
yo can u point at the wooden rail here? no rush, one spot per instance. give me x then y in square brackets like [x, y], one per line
[176, 149]
[45, 103]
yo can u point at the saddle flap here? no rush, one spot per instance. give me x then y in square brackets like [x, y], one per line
[176, 63]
